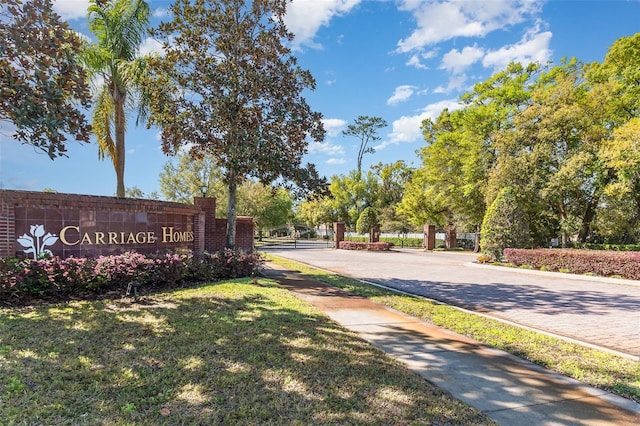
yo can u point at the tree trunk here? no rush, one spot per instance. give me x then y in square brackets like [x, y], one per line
[120, 124]
[629, 235]
[476, 243]
[589, 215]
[564, 234]
[450, 239]
[231, 215]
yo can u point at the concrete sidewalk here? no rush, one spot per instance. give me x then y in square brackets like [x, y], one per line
[507, 389]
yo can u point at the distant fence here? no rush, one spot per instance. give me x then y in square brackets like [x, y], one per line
[439, 235]
[33, 224]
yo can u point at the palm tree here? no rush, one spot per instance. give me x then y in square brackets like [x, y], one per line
[119, 27]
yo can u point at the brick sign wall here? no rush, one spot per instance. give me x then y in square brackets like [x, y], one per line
[36, 223]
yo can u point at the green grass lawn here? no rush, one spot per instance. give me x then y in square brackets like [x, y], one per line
[234, 352]
[597, 368]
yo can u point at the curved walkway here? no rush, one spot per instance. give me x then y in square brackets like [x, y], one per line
[600, 312]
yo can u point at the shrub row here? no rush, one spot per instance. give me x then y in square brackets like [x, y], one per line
[616, 247]
[401, 242]
[359, 245]
[603, 263]
[56, 277]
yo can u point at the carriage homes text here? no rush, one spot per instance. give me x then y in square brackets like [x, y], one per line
[72, 235]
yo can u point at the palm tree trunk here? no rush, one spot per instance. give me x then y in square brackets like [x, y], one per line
[120, 124]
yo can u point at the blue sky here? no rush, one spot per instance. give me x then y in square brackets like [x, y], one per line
[400, 60]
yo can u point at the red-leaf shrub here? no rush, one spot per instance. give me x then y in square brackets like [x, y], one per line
[55, 277]
[358, 245]
[604, 263]
[233, 264]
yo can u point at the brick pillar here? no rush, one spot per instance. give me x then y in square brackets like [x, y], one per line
[244, 233]
[208, 206]
[198, 233]
[7, 229]
[338, 233]
[429, 242]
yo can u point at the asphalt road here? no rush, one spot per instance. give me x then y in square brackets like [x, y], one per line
[598, 311]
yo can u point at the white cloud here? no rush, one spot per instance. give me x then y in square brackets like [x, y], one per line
[533, 47]
[327, 148]
[71, 9]
[161, 12]
[150, 45]
[336, 161]
[401, 94]
[429, 54]
[456, 61]
[455, 83]
[414, 61]
[438, 21]
[305, 17]
[407, 128]
[382, 145]
[333, 126]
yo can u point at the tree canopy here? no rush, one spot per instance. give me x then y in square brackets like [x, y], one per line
[229, 86]
[43, 86]
[564, 138]
[184, 178]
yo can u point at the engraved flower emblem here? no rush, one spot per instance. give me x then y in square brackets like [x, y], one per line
[37, 242]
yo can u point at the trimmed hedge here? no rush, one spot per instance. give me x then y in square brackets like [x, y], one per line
[358, 245]
[603, 263]
[616, 247]
[58, 278]
[399, 242]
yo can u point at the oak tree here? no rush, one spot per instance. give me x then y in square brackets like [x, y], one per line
[351, 194]
[43, 86]
[228, 85]
[552, 154]
[616, 91]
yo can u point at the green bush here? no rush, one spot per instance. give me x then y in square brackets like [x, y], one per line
[503, 225]
[367, 220]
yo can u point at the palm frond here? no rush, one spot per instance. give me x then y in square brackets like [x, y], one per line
[103, 126]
